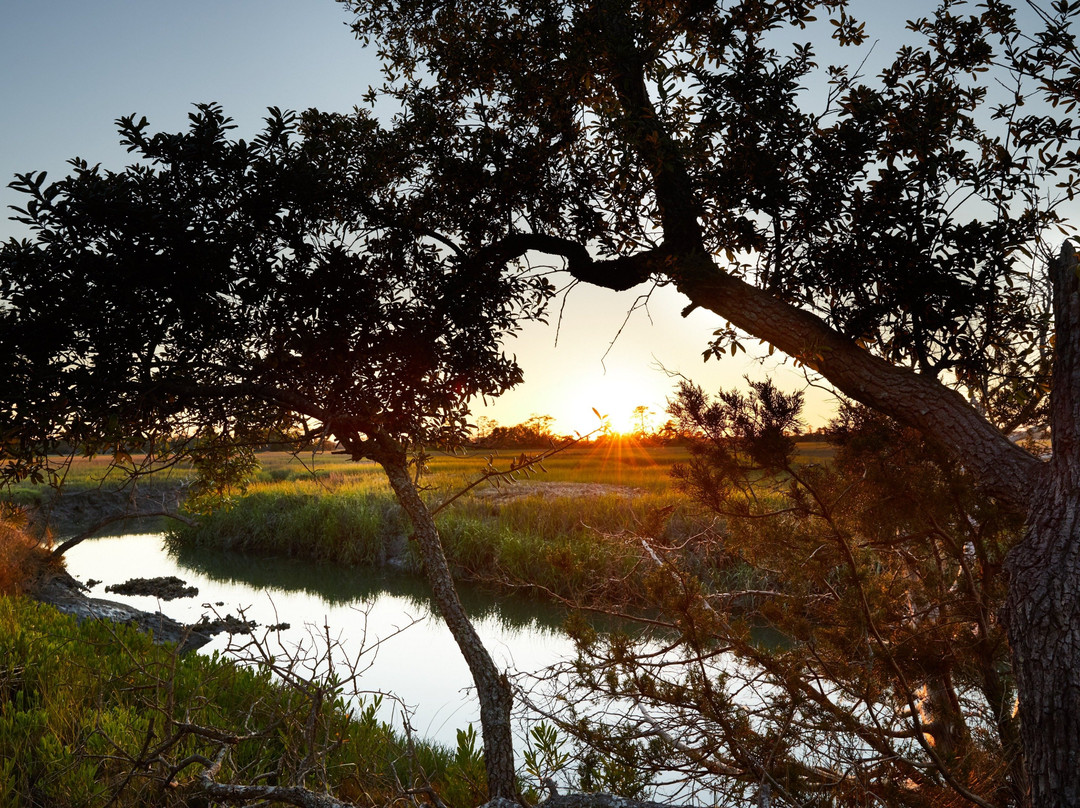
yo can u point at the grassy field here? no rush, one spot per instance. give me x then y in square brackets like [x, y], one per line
[622, 463]
[572, 529]
[559, 530]
[627, 463]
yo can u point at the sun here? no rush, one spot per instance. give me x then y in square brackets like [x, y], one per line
[619, 421]
[621, 405]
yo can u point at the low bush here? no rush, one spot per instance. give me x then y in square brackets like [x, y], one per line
[94, 714]
[23, 557]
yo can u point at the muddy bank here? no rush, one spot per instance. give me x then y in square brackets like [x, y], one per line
[88, 510]
[168, 587]
[57, 588]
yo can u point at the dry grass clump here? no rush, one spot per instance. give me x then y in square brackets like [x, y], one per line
[23, 557]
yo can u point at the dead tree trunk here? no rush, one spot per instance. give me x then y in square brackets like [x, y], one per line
[1043, 604]
[492, 686]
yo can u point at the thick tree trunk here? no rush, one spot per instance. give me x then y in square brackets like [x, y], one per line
[492, 686]
[1043, 605]
[1043, 616]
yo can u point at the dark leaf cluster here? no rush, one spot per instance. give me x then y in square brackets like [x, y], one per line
[905, 209]
[230, 288]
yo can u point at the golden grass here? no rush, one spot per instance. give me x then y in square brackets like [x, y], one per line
[22, 556]
[623, 462]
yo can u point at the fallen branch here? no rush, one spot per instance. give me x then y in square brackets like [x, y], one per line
[239, 794]
[67, 544]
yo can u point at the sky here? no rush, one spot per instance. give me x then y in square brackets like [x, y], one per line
[71, 68]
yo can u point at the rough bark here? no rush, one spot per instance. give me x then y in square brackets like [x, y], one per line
[911, 398]
[492, 686]
[1043, 603]
[1043, 618]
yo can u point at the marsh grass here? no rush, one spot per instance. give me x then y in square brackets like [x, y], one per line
[583, 547]
[580, 548]
[347, 525]
[565, 545]
[570, 529]
[619, 462]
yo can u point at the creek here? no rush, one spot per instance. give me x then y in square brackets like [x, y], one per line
[386, 618]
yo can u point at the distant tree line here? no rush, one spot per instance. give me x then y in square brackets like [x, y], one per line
[537, 430]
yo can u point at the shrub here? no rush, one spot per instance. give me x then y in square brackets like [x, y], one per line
[94, 714]
[22, 556]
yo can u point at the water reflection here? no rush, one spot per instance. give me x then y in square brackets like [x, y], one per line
[363, 609]
[344, 585]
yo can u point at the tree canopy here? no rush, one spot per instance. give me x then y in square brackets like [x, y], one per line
[888, 232]
[901, 209]
[220, 293]
[225, 287]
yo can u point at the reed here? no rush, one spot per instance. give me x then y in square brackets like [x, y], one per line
[581, 547]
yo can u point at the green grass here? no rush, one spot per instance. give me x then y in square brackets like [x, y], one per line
[347, 526]
[565, 545]
[623, 463]
[79, 702]
[572, 532]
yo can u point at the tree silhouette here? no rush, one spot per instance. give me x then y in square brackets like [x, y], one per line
[642, 414]
[888, 237]
[219, 292]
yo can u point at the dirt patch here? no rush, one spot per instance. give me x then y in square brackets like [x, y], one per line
[166, 587]
[556, 491]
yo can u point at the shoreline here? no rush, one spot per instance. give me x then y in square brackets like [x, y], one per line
[61, 591]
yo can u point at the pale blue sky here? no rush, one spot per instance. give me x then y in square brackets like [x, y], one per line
[69, 69]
